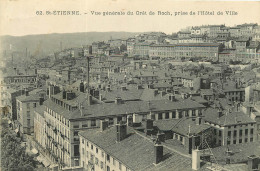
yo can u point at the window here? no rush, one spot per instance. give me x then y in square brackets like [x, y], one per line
[76, 133]
[246, 131]
[252, 131]
[108, 168]
[101, 165]
[240, 140]
[111, 121]
[235, 133]
[234, 141]
[82, 141]
[28, 122]
[120, 166]
[91, 147]
[103, 154]
[28, 114]
[87, 143]
[76, 162]
[28, 105]
[159, 116]
[96, 161]
[220, 132]
[75, 126]
[76, 150]
[251, 139]
[245, 140]
[173, 114]
[114, 162]
[240, 132]
[85, 125]
[228, 142]
[167, 115]
[83, 151]
[108, 158]
[229, 133]
[193, 113]
[93, 122]
[186, 113]
[34, 105]
[97, 150]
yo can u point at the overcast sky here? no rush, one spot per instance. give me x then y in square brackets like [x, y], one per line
[18, 17]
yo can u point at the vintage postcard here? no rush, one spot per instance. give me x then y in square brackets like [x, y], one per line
[129, 85]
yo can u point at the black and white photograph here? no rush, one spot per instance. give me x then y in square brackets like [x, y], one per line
[120, 85]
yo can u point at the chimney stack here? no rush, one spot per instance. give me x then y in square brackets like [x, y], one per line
[123, 88]
[253, 162]
[172, 97]
[41, 100]
[149, 124]
[103, 125]
[121, 131]
[219, 113]
[195, 159]
[89, 99]
[64, 94]
[161, 136]
[158, 152]
[118, 100]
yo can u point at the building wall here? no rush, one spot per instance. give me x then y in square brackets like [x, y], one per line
[95, 157]
[25, 115]
[39, 129]
[234, 134]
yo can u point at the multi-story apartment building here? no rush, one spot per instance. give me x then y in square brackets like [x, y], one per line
[65, 115]
[122, 148]
[141, 49]
[234, 31]
[214, 30]
[14, 77]
[25, 111]
[247, 29]
[39, 126]
[186, 50]
[231, 127]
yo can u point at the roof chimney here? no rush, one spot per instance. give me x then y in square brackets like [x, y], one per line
[64, 94]
[41, 100]
[149, 124]
[118, 100]
[123, 88]
[89, 100]
[172, 97]
[219, 113]
[139, 87]
[195, 159]
[103, 125]
[158, 152]
[161, 136]
[253, 163]
[121, 131]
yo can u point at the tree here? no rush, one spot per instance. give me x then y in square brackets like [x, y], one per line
[13, 155]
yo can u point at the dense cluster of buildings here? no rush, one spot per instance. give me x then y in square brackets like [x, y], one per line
[152, 102]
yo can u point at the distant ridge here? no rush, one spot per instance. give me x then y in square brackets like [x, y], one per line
[49, 43]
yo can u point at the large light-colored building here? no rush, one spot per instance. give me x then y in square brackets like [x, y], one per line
[25, 111]
[231, 127]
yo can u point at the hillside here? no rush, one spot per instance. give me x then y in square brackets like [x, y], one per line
[48, 43]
